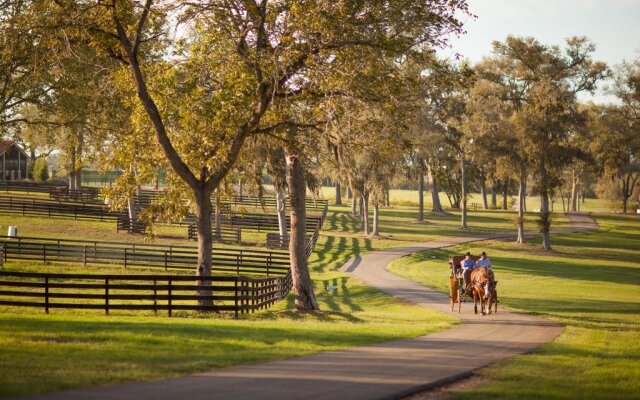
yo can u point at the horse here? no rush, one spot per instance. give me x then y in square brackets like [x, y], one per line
[453, 291]
[482, 288]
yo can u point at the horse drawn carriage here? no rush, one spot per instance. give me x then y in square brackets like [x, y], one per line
[483, 287]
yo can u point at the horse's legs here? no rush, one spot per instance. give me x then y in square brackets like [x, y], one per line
[475, 302]
[495, 305]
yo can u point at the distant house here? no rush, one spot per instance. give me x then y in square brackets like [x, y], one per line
[14, 162]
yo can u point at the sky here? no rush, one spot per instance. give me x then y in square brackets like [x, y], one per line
[613, 25]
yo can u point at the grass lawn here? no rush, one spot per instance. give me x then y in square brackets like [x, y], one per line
[589, 283]
[69, 349]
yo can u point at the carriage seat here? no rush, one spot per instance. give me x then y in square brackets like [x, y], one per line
[455, 267]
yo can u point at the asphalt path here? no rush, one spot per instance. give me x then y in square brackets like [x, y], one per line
[388, 370]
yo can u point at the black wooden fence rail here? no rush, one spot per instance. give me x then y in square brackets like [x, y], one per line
[123, 223]
[228, 260]
[269, 202]
[85, 194]
[226, 234]
[49, 208]
[262, 222]
[28, 187]
[237, 294]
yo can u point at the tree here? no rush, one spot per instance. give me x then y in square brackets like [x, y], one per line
[540, 83]
[40, 170]
[23, 48]
[615, 145]
[239, 62]
[448, 98]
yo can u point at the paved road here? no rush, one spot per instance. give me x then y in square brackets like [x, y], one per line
[385, 371]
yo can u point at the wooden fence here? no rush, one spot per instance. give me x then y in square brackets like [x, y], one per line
[227, 234]
[84, 195]
[28, 187]
[123, 223]
[228, 260]
[269, 202]
[51, 208]
[237, 294]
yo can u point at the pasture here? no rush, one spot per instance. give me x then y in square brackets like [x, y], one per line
[589, 284]
[88, 348]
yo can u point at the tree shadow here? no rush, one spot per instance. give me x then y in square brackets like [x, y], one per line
[569, 270]
[342, 291]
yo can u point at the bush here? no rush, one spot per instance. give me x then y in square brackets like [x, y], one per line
[40, 170]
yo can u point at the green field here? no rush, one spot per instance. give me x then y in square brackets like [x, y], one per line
[86, 348]
[589, 283]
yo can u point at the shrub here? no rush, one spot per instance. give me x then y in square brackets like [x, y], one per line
[40, 170]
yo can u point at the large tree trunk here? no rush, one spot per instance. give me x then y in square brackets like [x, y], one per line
[521, 197]
[205, 241]
[281, 207]
[420, 197]
[388, 197]
[494, 195]
[361, 208]
[218, 222]
[376, 231]
[545, 215]
[133, 210]
[78, 162]
[78, 177]
[349, 193]
[354, 210]
[574, 191]
[483, 192]
[524, 195]
[505, 194]
[305, 299]
[365, 213]
[435, 196]
[72, 169]
[463, 202]
[626, 183]
[338, 194]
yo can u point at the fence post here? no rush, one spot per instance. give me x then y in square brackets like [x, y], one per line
[169, 296]
[44, 253]
[155, 298]
[125, 257]
[235, 299]
[106, 296]
[46, 294]
[84, 255]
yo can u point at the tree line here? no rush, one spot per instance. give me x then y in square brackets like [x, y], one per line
[209, 91]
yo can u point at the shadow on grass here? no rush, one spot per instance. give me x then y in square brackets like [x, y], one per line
[341, 293]
[570, 270]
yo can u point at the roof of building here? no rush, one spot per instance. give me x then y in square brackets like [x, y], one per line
[5, 144]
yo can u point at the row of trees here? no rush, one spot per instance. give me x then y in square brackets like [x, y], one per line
[307, 90]
[198, 87]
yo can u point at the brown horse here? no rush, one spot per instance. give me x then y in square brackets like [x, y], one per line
[453, 291]
[483, 288]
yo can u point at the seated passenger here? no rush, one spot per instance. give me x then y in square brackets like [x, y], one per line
[483, 261]
[467, 266]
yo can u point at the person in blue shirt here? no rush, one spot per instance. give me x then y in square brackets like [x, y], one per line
[483, 261]
[467, 266]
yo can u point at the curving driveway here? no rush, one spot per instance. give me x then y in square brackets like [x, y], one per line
[388, 370]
